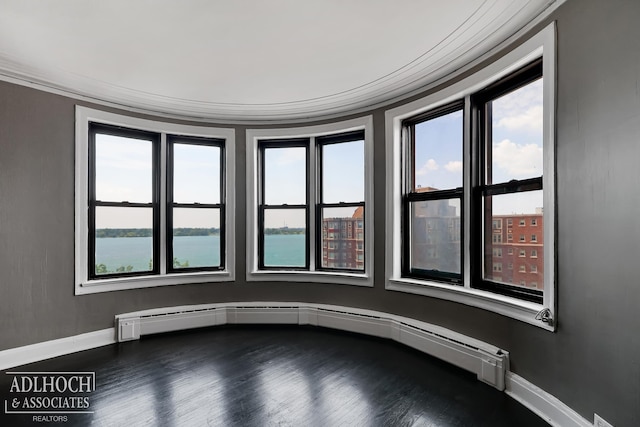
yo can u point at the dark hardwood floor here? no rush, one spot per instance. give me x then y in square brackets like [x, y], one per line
[273, 376]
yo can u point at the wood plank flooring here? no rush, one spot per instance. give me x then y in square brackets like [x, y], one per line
[274, 376]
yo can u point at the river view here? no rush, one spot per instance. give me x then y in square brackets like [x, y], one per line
[193, 251]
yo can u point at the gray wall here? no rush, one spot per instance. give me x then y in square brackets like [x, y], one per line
[592, 363]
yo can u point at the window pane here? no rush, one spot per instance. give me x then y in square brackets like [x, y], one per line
[285, 176]
[285, 237]
[124, 241]
[196, 174]
[437, 159]
[517, 135]
[435, 235]
[343, 238]
[343, 172]
[123, 169]
[196, 237]
[520, 214]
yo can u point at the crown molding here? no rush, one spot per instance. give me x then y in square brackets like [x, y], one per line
[455, 54]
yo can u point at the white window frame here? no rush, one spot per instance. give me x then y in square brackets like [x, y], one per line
[542, 45]
[83, 285]
[313, 274]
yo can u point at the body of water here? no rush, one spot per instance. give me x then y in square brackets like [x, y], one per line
[198, 251]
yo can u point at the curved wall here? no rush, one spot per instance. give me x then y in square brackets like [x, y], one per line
[592, 362]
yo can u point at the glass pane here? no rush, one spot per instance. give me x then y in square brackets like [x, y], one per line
[437, 159]
[435, 235]
[343, 238]
[124, 241]
[517, 135]
[196, 237]
[285, 176]
[343, 172]
[123, 169]
[196, 174]
[285, 237]
[514, 239]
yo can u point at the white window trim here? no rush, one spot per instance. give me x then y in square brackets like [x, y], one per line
[542, 45]
[83, 285]
[313, 275]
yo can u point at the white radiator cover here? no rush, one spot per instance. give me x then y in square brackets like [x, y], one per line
[488, 362]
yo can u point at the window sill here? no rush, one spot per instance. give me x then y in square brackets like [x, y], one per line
[124, 283]
[330, 277]
[510, 307]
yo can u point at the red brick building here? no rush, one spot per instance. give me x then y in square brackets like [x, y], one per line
[515, 254]
[343, 241]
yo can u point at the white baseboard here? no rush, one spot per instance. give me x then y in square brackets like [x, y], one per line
[545, 405]
[46, 350]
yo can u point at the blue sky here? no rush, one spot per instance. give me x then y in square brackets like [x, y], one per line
[123, 173]
[516, 145]
[285, 180]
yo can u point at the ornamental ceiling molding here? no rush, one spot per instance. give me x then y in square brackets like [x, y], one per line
[494, 25]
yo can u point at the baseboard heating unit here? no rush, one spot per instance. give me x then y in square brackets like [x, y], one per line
[488, 362]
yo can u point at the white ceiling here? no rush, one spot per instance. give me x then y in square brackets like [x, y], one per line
[250, 60]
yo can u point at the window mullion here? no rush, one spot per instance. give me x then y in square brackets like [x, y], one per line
[313, 199]
[163, 203]
[468, 134]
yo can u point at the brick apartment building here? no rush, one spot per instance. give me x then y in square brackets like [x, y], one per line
[343, 241]
[515, 254]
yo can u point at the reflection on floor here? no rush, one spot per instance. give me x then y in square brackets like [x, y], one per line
[260, 376]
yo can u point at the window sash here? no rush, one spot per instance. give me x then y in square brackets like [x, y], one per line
[171, 204]
[322, 142]
[481, 226]
[410, 195]
[94, 130]
[264, 145]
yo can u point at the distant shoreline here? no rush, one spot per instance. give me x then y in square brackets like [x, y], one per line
[102, 233]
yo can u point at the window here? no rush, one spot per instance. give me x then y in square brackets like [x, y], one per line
[497, 252]
[534, 268]
[195, 204]
[523, 269]
[284, 204]
[341, 194]
[311, 188]
[494, 166]
[433, 198]
[123, 204]
[505, 188]
[534, 238]
[510, 251]
[523, 253]
[534, 222]
[534, 253]
[151, 203]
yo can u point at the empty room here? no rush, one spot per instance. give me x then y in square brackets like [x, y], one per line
[355, 213]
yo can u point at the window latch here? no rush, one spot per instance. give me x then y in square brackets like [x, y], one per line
[545, 316]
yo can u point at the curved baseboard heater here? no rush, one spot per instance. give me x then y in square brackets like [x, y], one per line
[488, 362]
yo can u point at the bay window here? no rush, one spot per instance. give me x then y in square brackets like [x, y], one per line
[466, 164]
[308, 203]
